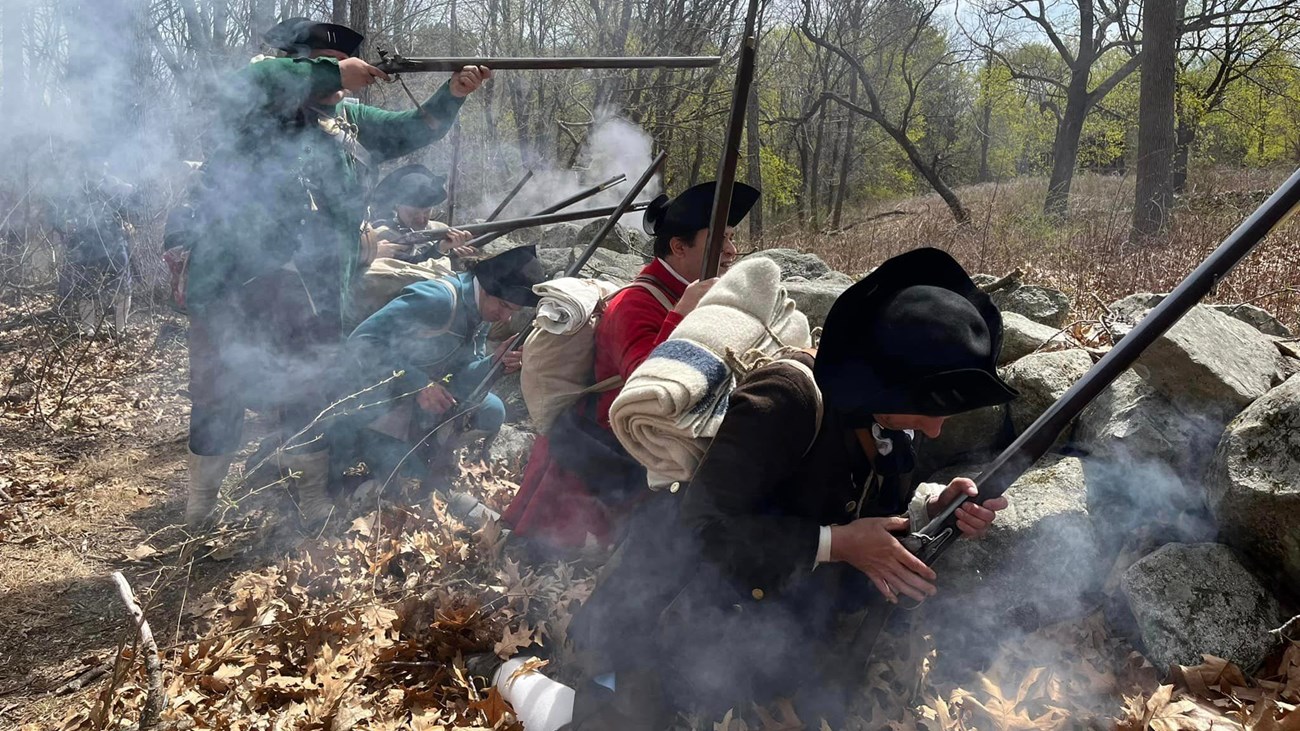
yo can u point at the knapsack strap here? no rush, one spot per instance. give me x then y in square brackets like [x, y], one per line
[657, 289]
[821, 407]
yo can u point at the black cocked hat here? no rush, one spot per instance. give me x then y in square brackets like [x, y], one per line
[301, 36]
[916, 336]
[410, 185]
[511, 275]
[691, 210]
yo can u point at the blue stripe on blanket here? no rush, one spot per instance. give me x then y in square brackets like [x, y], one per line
[707, 364]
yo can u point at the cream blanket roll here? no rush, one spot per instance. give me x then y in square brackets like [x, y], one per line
[674, 402]
[569, 303]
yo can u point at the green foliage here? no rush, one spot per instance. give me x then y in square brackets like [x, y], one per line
[781, 180]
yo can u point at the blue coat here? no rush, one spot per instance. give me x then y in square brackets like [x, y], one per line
[432, 331]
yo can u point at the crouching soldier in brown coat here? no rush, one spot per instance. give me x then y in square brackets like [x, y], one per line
[726, 590]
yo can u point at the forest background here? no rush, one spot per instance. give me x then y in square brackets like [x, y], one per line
[856, 103]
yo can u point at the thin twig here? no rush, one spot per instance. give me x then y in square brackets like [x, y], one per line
[154, 699]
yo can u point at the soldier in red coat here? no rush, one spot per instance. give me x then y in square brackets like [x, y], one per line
[580, 483]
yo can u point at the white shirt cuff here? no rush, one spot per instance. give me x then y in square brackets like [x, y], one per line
[918, 511]
[823, 546]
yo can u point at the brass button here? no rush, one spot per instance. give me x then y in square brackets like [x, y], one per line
[673, 488]
[757, 594]
[850, 506]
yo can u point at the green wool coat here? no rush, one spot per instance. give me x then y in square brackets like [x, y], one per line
[279, 189]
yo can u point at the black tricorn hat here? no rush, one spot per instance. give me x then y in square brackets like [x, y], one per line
[916, 336]
[691, 209]
[511, 275]
[300, 36]
[410, 185]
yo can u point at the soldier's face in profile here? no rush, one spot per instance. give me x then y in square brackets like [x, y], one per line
[495, 309]
[416, 218]
[931, 426]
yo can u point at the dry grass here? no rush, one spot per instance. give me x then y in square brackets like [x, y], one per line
[1090, 253]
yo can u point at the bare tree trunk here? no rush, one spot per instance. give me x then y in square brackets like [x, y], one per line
[1185, 139]
[260, 19]
[1065, 148]
[754, 159]
[846, 160]
[220, 23]
[697, 160]
[14, 80]
[1156, 139]
[339, 13]
[801, 201]
[815, 173]
[986, 121]
[359, 20]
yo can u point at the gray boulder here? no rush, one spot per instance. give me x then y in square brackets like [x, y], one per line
[503, 244]
[1022, 336]
[511, 447]
[1194, 599]
[603, 263]
[1253, 483]
[1039, 304]
[834, 277]
[814, 299]
[557, 236]
[617, 240]
[796, 263]
[1132, 421]
[1256, 317]
[983, 280]
[1040, 561]
[1042, 378]
[1131, 309]
[1134, 307]
[1211, 363]
[973, 436]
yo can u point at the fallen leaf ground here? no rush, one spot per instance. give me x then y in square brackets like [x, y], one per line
[366, 626]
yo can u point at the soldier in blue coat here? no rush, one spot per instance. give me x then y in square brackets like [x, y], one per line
[427, 350]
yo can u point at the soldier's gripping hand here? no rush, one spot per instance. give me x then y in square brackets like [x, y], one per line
[972, 518]
[868, 544]
[435, 399]
[455, 244]
[357, 74]
[469, 79]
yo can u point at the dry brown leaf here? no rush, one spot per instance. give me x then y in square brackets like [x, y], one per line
[494, 708]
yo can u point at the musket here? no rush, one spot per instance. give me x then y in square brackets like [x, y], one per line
[396, 63]
[731, 147]
[512, 224]
[578, 197]
[931, 541]
[510, 196]
[625, 206]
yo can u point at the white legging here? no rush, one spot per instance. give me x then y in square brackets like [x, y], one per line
[540, 704]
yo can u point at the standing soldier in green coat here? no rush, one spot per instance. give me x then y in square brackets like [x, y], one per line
[279, 212]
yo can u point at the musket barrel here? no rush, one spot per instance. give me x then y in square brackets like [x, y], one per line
[1037, 439]
[512, 224]
[396, 64]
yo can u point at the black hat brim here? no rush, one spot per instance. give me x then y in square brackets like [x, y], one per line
[511, 275]
[851, 384]
[302, 35]
[387, 191]
[692, 210]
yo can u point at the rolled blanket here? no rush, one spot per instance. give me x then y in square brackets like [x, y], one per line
[675, 401]
[569, 302]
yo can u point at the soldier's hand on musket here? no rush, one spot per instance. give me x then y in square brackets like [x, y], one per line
[357, 74]
[973, 520]
[469, 79]
[435, 398]
[691, 297]
[455, 244]
[511, 360]
[868, 544]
